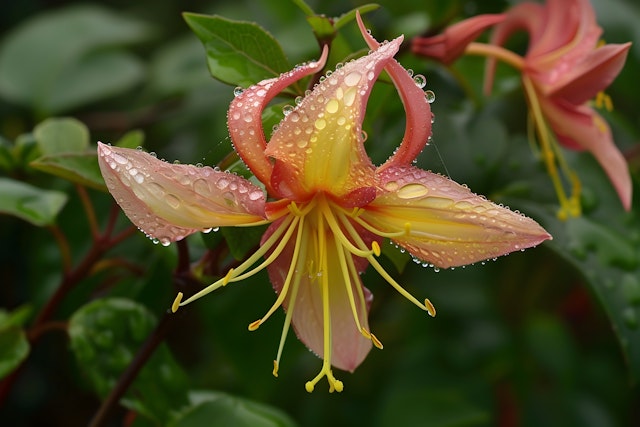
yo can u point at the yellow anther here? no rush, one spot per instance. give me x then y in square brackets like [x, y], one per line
[376, 342]
[176, 302]
[337, 386]
[275, 368]
[309, 386]
[375, 247]
[227, 278]
[407, 228]
[255, 325]
[430, 308]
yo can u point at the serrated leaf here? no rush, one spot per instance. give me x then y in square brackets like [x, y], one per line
[238, 53]
[80, 168]
[61, 135]
[242, 239]
[105, 335]
[37, 206]
[75, 65]
[14, 348]
[217, 409]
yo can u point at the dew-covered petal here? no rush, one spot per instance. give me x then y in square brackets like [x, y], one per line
[169, 201]
[580, 127]
[447, 224]
[349, 347]
[417, 108]
[319, 145]
[245, 117]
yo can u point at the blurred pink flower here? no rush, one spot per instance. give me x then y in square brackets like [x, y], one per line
[564, 68]
[329, 207]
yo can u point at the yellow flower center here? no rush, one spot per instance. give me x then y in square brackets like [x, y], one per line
[325, 237]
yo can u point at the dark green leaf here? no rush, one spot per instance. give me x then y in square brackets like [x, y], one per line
[238, 53]
[216, 409]
[61, 135]
[105, 336]
[39, 207]
[80, 168]
[7, 161]
[14, 348]
[74, 66]
[398, 257]
[25, 149]
[241, 240]
[15, 318]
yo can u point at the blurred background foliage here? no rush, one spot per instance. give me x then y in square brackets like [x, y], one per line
[547, 337]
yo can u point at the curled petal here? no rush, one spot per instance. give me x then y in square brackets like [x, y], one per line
[319, 145]
[447, 225]
[450, 45]
[169, 201]
[593, 74]
[348, 346]
[245, 117]
[580, 127]
[418, 111]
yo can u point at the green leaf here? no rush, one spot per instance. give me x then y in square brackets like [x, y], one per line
[216, 409]
[7, 162]
[351, 15]
[322, 27]
[76, 65]
[399, 258]
[25, 149]
[39, 207]
[132, 139]
[17, 317]
[14, 348]
[80, 168]
[61, 135]
[105, 335]
[238, 53]
[242, 239]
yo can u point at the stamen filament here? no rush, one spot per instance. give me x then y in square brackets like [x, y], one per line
[371, 228]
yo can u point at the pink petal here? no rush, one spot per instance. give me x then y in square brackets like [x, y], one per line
[450, 45]
[582, 127]
[245, 117]
[418, 110]
[593, 74]
[349, 348]
[169, 201]
[449, 225]
[319, 145]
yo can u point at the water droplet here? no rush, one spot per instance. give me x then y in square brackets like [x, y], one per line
[430, 95]
[320, 124]
[420, 80]
[201, 187]
[349, 96]
[364, 136]
[412, 191]
[391, 186]
[255, 195]
[287, 109]
[352, 78]
[139, 178]
[206, 230]
[119, 158]
[298, 100]
[164, 241]
[332, 106]
[172, 201]
[410, 72]
[238, 91]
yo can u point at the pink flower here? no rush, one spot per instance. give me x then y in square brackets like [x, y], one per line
[563, 69]
[329, 208]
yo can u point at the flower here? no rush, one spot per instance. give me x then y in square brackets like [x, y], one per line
[565, 66]
[329, 208]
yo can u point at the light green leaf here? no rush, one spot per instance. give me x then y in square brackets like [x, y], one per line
[105, 335]
[238, 53]
[61, 135]
[76, 64]
[39, 207]
[14, 348]
[80, 168]
[216, 409]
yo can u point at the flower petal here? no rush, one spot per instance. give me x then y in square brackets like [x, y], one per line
[593, 74]
[245, 117]
[449, 225]
[580, 127]
[169, 201]
[450, 45]
[418, 111]
[349, 348]
[319, 145]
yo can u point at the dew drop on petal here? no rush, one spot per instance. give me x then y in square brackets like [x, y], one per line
[412, 191]
[238, 91]
[420, 80]
[287, 109]
[430, 96]
[332, 106]
[172, 201]
[320, 124]
[352, 78]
